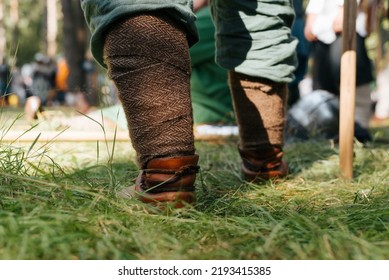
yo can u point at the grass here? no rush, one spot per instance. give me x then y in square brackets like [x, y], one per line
[58, 201]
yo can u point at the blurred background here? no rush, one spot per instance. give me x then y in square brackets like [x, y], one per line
[46, 65]
[44, 51]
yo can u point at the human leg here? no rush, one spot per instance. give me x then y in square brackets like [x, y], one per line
[260, 112]
[147, 57]
[260, 54]
[146, 52]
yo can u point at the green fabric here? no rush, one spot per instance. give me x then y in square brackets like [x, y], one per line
[99, 14]
[254, 37]
[211, 97]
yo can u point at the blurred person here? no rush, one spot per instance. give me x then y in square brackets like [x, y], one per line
[324, 28]
[61, 81]
[378, 11]
[145, 46]
[303, 51]
[5, 81]
[90, 69]
[381, 111]
[42, 86]
[18, 87]
[43, 77]
[26, 74]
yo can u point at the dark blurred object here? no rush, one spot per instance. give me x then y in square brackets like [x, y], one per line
[316, 115]
[43, 77]
[5, 79]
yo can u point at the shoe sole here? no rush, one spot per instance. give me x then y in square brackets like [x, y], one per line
[160, 200]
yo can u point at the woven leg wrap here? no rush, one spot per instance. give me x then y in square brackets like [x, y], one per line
[148, 59]
[260, 113]
[259, 106]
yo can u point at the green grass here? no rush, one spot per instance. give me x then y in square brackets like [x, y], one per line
[58, 201]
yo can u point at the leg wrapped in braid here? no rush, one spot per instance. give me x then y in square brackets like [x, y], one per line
[259, 106]
[148, 59]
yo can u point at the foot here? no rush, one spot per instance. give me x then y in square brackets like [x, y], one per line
[166, 181]
[263, 165]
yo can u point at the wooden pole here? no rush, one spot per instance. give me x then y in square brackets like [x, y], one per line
[347, 90]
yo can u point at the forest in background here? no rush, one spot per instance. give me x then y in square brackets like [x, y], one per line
[50, 27]
[57, 27]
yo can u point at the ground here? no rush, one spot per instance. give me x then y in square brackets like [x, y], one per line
[58, 201]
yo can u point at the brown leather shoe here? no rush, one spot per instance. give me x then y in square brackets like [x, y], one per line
[263, 165]
[166, 180]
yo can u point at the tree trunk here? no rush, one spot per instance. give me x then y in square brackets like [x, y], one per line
[2, 31]
[52, 27]
[14, 12]
[75, 43]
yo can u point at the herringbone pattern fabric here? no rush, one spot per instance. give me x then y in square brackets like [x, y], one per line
[260, 111]
[148, 59]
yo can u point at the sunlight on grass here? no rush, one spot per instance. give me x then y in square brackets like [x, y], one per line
[58, 201]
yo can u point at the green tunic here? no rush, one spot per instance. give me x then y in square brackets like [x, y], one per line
[99, 14]
[253, 37]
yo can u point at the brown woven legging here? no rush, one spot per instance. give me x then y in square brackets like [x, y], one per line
[260, 111]
[148, 59]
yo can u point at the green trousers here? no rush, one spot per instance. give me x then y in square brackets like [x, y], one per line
[211, 98]
[253, 37]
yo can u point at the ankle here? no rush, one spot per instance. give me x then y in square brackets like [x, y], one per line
[263, 163]
[169, 174]
[259, 106]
